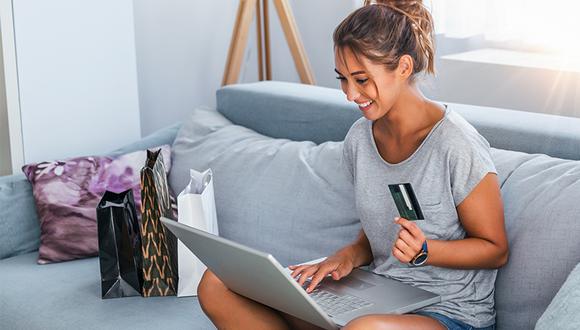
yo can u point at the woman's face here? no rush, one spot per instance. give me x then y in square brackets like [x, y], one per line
[372, 86]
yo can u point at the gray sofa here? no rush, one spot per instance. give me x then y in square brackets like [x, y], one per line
[534, 155]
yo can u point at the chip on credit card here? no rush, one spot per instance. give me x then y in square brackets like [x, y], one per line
[406, 201]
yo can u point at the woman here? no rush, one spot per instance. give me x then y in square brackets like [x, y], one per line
[380, 49]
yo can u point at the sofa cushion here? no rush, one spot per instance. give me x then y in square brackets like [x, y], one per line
[68, 296]
[562, 313]
[542, 213]
[291, 199]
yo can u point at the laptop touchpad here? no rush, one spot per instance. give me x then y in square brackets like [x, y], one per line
[355, 283]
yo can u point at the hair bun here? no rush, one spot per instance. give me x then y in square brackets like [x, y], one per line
[420, 21]
[412, 7]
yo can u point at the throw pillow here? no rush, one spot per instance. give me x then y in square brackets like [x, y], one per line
[288, 198]
[67, 192]
[542, 213]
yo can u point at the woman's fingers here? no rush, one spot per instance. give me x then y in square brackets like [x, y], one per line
[297, 273]
[412, 227]
[298, 269]
[405, 248]
[410, 240]
[341, 271]
[319, 276]
[306, 274]
[337, 266]
[400, 255]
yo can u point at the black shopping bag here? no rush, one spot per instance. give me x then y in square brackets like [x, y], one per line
[119, 245]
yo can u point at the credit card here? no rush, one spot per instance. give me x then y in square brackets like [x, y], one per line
[406, 202]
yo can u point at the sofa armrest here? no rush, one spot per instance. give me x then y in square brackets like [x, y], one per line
[19, 229]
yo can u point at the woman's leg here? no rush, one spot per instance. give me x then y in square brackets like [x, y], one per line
[228, 310]
[394, 322]
[298, 324]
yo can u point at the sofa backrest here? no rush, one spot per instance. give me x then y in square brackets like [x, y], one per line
[311, 113]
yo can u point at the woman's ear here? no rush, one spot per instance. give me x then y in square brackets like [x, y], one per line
[405, 68]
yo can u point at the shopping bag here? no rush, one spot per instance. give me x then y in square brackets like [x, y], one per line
[196, 208]
[159, 246]
[119, 245]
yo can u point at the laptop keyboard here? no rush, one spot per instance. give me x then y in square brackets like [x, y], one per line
[335, 305]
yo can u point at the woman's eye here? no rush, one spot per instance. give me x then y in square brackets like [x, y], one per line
[359, 81]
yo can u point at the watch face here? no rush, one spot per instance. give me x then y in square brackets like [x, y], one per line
[420, 259]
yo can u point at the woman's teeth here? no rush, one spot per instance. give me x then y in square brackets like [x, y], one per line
[366, 104]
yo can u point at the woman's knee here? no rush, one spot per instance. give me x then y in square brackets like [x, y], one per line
[209, 291]
[371, 322]
[393, 322]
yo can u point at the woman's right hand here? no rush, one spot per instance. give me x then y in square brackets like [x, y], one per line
[338, 266]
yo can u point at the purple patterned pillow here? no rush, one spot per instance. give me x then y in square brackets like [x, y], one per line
[67, 193]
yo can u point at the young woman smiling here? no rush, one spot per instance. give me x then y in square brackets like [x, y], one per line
[380, 50]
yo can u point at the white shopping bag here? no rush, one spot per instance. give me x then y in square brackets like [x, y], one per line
[195, 208]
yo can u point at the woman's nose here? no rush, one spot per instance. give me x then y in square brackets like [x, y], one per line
[352, 94]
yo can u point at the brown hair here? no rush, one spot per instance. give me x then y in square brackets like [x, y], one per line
[384, 31]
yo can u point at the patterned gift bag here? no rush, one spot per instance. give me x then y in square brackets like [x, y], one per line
[159, 246]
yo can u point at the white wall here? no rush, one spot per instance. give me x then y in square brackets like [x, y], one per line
[182, 49]
[77, 77]
[316, 21]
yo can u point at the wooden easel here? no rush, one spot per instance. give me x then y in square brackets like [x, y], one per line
[244, 17]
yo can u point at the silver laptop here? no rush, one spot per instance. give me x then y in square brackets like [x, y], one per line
[260, 277]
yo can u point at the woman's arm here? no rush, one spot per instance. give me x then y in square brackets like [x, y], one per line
[485, 246]
[359, 251]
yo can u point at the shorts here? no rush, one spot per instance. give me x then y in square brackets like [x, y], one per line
[452, 324]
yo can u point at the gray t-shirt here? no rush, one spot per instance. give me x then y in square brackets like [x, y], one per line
[445, 168]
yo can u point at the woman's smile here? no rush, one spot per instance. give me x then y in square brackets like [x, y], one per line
[364, 106]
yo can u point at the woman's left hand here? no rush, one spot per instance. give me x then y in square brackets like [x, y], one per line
[409, 241]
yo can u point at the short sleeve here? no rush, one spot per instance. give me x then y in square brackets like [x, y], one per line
[470, 162]
[349, 147]
[347, 158]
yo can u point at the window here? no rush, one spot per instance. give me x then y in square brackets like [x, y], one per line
[532, 25]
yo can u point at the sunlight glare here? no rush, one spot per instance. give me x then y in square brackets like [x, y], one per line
[553, 26]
